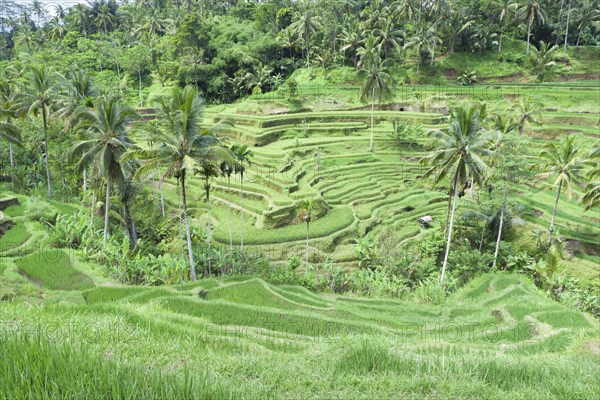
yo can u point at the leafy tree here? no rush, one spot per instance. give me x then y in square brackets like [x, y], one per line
[106, 140]
[460, 154]
[377, 83]
[563, 162]
[588, 12]
[227, 168]
[9, 132]
[388, 37]
[351, 38]
[527, 113]
[137, 61]
[305, 25]
[505, 8]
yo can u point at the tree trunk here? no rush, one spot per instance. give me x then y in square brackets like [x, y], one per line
[84, 179]
[140, 87]
[106, 207]
[162, 199]
[450, 229]
[307, 244]
[242, 214]
[554, 214]
[131, 231]
[187, 229]
[567, 27]
[559, 22]
[500, 227]
[230, 215]
[46, 149]
[10, 150]
[372, 117]
[528, 34]
[209, 239]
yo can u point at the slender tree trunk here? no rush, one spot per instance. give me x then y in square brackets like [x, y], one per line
[208, 225]
[472, 189]
[372, 117]
[46, 150]
[482, 236]
[187, 229]
[500, 226]
[450, 229]
[307, 244]
[119, 77]
[242, 215]
[84, 179]
[106, 207]
[578, 38]
[559, 22]
[554, 214]
[528, 34]
[10, 151]
[567, 27]
[140, 87]
[131, 231]
[230, 215]
[162, 199]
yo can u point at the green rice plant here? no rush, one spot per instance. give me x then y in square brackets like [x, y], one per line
[52, 269]
[104, 294]
[31, 367]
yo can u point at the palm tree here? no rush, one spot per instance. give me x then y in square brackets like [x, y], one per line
[8, 131]
[243, 157]
[106, 140]
[179, 145]
[227, 168]
[37, 97]
[351, 38]
[105, 19]
[562, 161]
[460, 154]
[530, 12]
[377, 83]
[506, 6]
[288, 40]
[388, 37]
[527, 114]
[424, 40]
[542, 59]
[591, 197]
[453, 27]
[79, 16]
[306, 24]
[306, 210]
[208, 169]
[587, 13]
[127, 190]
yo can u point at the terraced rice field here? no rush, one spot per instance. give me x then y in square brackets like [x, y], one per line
[324, 154]
[242, 337]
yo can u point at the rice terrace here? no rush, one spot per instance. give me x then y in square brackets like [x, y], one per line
[316, 199]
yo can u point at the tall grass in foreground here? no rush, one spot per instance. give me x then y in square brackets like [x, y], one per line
[32, 368]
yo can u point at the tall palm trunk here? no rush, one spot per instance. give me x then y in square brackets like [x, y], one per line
[528, 33]
[230, 215]
[46, 150]
[307, 243]
[450, 229]
[106, 207]
[85, 179]
[503, 210]
[567, 27]
[140, 87]
[372, 117]
[131, 231]
[562, 3]
[187, 228]
[162, 199]
[554, 214]
[242, 214]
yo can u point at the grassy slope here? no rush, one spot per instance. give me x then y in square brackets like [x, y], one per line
[497, 338]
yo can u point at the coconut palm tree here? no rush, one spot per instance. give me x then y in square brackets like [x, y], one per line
[542, 59]
[460, 154]
[591, 197]
[377, 83]
[227, 168]
[243, 158]
[527, 113]
[306, 210]
[563, 162]
[531, 11]
[305, 25]
[106, 139]
[351, 37]
[179, 145]
[8, 131]
[505, 6]
[388, 37]
[588, 12]
[37, 97]
[208, 169]
[79, 16]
